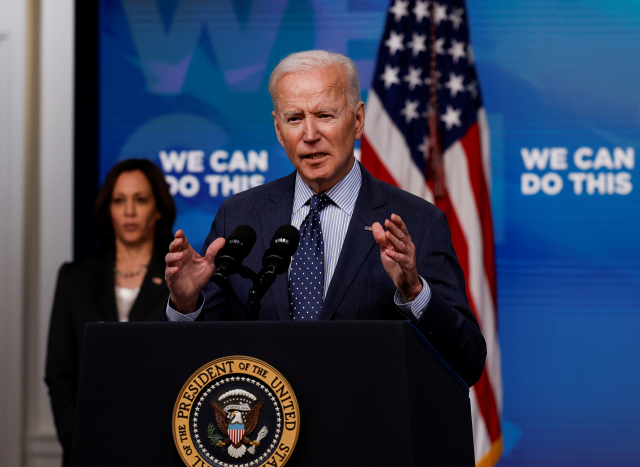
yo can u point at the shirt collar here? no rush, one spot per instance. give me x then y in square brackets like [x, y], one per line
[343, 194]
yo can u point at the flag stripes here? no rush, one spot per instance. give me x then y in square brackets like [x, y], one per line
[396, 148]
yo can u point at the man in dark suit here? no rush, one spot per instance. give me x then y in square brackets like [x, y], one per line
[318, 115]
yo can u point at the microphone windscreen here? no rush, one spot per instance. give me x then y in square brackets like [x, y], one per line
[286, 239]
[241, 241]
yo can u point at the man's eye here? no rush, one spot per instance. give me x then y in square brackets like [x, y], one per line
[293, 119]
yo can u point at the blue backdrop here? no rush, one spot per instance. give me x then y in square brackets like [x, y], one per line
[184, 83]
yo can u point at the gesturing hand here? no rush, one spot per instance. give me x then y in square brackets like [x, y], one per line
[187, 272]
[398, 255]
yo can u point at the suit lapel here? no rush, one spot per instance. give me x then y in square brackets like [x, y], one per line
[146, 306]
[357, 243]
[104, 292]
[278, 212]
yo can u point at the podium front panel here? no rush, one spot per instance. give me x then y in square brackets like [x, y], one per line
[370, 393]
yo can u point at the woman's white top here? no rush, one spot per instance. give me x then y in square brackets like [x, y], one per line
[124, 301]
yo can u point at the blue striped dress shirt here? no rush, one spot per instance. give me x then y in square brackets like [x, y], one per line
[334, 218]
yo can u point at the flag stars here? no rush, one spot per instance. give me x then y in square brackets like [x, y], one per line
[437, 74]
[455, 84]
[414, 77]
[394, 42]
[438, 45]
[457, 50]
[471, 58]
[451, 118]
[427, 113]
[472, 87]
[421, 10]
[418, 44]
[440, 13]
[424, 148]
[390, 76]
[399, 9]
[410, 110]
[456, 17]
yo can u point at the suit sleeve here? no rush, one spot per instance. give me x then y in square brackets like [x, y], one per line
[61, 372]
[448, 321]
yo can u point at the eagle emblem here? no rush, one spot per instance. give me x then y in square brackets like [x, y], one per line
[237, 413]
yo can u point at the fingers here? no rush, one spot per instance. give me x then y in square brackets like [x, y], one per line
[379, 235]
[397, 227]
[395, 242]
[399, 223]
[169, 272]
[393, 236]
[398, 235]
[177, 249]
[173, 261]
[213, 249]
[398, 254]
[179, 242]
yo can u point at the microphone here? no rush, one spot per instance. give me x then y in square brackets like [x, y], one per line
[283, 246]
[236, 248]
[276, 259]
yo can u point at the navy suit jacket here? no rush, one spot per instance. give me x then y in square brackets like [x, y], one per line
[360, 287]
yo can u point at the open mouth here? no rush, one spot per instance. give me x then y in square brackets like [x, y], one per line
[314, 156]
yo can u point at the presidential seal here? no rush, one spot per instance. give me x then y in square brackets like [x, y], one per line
[236, 412]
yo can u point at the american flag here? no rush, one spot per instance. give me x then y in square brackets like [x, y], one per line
[426, 132]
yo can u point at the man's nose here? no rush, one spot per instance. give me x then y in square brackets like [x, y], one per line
[310, 130]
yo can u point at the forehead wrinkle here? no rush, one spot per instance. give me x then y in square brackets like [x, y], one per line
[298, 99]
[313, 105]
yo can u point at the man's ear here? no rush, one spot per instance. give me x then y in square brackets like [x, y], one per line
[359, 120]
[275, 124]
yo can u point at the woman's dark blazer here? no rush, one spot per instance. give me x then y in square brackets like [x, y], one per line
[85, 294]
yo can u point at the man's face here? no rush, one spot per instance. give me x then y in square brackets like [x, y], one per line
[317, 126]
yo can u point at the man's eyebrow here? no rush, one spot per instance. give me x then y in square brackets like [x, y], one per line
[291, 113]
[326, 110]
[296, 113]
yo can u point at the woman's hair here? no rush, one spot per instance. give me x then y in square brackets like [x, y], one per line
[311, 60]
[164, 203]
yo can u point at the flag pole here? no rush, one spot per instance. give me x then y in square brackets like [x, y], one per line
[435, 160]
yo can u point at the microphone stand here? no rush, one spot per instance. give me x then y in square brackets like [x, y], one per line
[259, 289]
[222, 281]
[261, 283]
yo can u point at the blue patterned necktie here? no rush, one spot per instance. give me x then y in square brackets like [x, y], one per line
[306, 281]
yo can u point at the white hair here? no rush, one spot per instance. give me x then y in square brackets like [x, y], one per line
[312, 60]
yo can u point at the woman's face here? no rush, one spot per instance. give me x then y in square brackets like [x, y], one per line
[133, 208]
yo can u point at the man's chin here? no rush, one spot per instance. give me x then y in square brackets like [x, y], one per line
[315, 168]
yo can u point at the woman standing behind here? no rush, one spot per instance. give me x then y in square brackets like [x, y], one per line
[135, 214]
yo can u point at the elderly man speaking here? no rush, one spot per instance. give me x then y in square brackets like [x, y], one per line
[347, 266]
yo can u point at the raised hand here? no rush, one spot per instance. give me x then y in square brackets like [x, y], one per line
[398, 255]
[187, 272]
